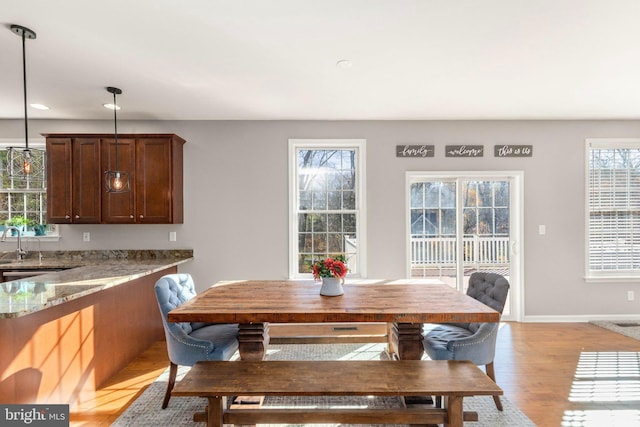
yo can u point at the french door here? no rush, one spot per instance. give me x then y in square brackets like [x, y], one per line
[463, 222]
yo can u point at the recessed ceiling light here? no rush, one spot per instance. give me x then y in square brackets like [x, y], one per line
[111, 106]
[39, 106]
[344, 63]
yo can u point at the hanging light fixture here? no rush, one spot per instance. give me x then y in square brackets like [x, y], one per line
[28, 162]
[116, 180]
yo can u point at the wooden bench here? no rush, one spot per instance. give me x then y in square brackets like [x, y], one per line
[451, 379]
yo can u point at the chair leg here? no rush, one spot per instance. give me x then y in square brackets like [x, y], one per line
[492, 374]
[173, 371]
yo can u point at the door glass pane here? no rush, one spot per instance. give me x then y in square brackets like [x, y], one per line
[448, 222]
[470, 221]
[501, 193]
[417, 221]
[417, 190]
[448, 195]
[431, 222]
[485, 194]
[485, 221]
[470, 192]
[432, 194]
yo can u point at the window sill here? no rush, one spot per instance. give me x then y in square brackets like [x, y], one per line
[612, 279]
[54, 238]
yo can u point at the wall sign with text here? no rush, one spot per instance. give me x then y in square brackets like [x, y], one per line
[464, 151]
[415, 150]
[513, 150]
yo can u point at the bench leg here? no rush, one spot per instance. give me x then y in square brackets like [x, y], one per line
[455, 414]
[215, 410]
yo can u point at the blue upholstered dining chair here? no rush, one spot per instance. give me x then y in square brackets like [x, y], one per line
[188, 343]
[472, 341]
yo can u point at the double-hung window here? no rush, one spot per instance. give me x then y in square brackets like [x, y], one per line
[326, 204]
[23, 199]
[613, 208]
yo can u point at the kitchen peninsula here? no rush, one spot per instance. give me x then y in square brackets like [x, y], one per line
[66, 332]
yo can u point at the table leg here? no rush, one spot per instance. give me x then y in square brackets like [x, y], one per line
[407, 338]
[253, 339]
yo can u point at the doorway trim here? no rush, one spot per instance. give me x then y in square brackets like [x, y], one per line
[516, 230]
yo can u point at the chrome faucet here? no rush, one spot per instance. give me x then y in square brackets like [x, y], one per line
[20, 252]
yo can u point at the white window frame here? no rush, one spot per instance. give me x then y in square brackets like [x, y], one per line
[39, 143]
[361, 203]
[607, 276]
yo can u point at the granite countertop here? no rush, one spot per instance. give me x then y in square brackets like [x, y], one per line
[82, 273]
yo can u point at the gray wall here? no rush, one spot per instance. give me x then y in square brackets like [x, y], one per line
[236, 198]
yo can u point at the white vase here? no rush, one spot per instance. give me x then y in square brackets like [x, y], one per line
[332, 286]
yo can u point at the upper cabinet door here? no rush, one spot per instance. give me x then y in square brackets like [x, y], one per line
[87, 178]
[59, 188]
[119, 208]
[158, 181]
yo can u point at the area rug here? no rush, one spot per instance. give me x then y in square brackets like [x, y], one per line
[146, 411]
[627, 328]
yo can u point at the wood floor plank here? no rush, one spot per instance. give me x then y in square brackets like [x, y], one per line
[535, 366]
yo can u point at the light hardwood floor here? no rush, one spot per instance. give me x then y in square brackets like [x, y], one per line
[535, 365]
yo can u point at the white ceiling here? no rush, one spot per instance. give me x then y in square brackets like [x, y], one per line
[276, 59]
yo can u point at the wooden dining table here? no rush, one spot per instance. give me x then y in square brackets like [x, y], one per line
[405, 305]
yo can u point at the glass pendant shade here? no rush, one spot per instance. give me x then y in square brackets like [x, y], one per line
[116, 181]
[25, 164]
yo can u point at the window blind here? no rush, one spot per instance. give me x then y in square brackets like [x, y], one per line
[614, 208]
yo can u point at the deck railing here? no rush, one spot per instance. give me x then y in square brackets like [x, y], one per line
[442, 251]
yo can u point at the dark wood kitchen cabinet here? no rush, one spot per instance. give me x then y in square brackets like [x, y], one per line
[73, 180]
[158, 174]
[75, 176]
[119, 208]
[59, 177]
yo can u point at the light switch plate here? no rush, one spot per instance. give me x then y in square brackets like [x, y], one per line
[172, 236]
[86, 236]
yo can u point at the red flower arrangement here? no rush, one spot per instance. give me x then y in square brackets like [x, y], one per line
[330, 267]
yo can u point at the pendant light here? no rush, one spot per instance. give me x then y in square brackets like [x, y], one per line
[116, 181]
[28, 162]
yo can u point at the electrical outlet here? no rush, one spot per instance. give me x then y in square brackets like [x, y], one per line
[86, 236]
[172, 236]
[542, 230]
[631, 295]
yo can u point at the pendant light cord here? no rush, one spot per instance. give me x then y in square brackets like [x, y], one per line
[115, 126]
[24, 85]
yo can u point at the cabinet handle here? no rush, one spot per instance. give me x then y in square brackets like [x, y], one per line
[77, 216]
[67, 217]
[141, 216]
[131, 216]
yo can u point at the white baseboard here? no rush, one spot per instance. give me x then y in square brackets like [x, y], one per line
[579, 318]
